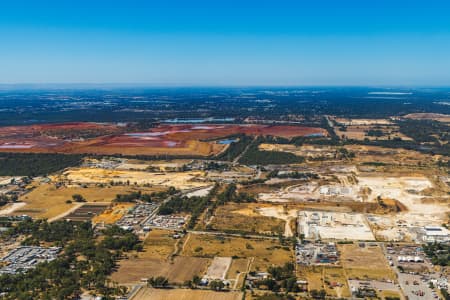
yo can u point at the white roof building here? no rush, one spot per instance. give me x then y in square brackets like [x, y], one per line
[436, 234]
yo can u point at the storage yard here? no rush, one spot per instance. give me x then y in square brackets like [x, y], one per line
[86, 212]
[25, 258]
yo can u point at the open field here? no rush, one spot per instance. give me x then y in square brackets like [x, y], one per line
[313, 275]
[365, 154]
[367, 262]
[238, 265]
[180, 180]
[355, 122]
[372, 129]
[133, 270]
[48, 201]
[335, 282]
[185, 294]
[245, 218]
[110, 139]
[158, 244]
[218, 268]
[265, 252]
[330, 278]
[361, 132]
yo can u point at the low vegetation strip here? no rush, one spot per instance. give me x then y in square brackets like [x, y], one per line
[235, 148]
[254, 156]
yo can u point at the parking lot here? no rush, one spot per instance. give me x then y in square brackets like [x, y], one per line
[417, 271]
[136, 217]
[166, 222]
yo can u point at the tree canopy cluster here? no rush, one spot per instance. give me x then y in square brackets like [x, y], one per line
[438, 253]
[282, 278]
[85, 261]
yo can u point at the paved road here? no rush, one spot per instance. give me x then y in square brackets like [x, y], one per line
[134, 291]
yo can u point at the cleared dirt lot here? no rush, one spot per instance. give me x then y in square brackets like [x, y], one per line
[180, 180]
[245, 218]
[113, 214]
[47, 201]
[185, 294]
[265, 252]
[133, 270]
[218, 268]
[366, 262]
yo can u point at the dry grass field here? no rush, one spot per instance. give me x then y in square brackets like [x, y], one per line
[392, 294]
[134, 269]
[358, 129]
[330, 278]
[313, 275]
[243, 218]
[238, 265]
[185, 294]
[366, 262]
[158, 244]
[389, 156]
[265, 252]
[360, 132]
[154, 261]
[47, 201]
[335, 282]
[428, 116]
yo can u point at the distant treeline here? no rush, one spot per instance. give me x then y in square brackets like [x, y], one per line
[35, 164]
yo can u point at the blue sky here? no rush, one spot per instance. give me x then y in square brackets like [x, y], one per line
[226, 42]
